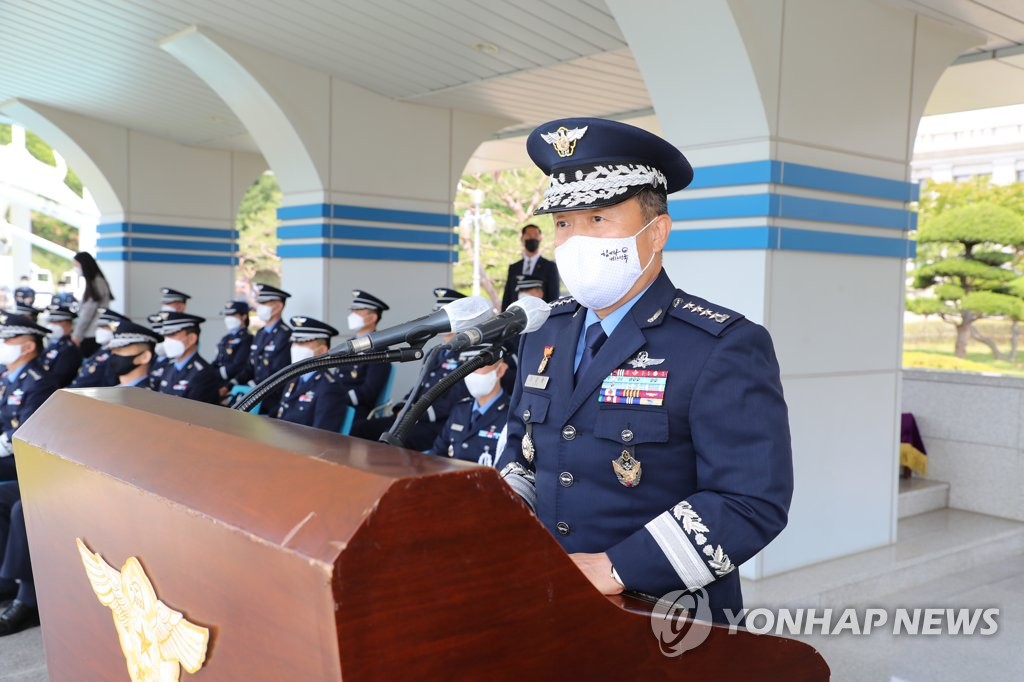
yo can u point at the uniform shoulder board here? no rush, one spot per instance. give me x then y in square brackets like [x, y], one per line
[199, 364]
[34, 374]
[466, 400]
[564, 305]
[714, 319]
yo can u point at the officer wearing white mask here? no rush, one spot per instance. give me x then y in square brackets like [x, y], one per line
[94, 371]
[61, 358]
[234, 348]
[475, 423]
[315, 398]
[186, 374]
[648, 428]
[270, 348]
[24, 386]
[364, 383]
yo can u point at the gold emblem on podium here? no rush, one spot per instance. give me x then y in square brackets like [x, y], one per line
[155, 639]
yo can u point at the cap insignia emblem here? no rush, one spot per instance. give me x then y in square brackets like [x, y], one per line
[564, 140]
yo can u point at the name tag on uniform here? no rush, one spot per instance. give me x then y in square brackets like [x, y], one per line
[537, 381]
[457, 427]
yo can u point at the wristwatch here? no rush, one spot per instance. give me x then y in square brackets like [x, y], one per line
[616, 578]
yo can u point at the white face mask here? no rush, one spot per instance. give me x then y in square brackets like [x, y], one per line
[232, 323]
[160, 351]
[599, 271]
[480, 384]
[103, 336]
[355, 322]
[174, 348]
[264, 312]
[167, 309]
[301, 353]
[9, 353]
[56, 331]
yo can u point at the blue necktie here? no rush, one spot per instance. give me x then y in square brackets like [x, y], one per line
[594, 339]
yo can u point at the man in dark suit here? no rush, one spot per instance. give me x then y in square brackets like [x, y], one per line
[648, 428]
[531, 265]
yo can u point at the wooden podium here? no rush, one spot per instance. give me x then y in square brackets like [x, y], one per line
[310, 556]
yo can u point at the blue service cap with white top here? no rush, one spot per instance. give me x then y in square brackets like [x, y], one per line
[266, 293]
[363, 300]
[308, 329]
[172, 322]
[60, 313]
[19, 325]
[168, 295]
[594, 162]
[127, 333]
[235, 308]
[108, 316]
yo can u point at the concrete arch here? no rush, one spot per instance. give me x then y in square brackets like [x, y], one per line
[285, 110]
[96, 150]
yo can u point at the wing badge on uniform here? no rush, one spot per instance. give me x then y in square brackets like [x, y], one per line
[155, 639]
[627, 469]
[643, 360]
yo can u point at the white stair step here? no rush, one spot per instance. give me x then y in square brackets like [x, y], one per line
[921, 495]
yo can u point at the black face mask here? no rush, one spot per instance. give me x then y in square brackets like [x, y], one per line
[531, 245]
[123, 364]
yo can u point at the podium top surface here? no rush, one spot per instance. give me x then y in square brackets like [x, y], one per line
[316, 487]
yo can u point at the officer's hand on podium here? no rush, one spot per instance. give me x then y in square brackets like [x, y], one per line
[598, 569]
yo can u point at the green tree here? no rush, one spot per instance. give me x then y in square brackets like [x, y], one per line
[512, 195]
[970, 275]
[257, 224]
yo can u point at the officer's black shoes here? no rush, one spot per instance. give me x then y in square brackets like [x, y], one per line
[17, 617]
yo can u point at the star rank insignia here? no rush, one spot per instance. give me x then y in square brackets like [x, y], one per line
[548, 352]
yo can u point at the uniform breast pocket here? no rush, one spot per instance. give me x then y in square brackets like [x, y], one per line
[632, 436]
[533, 408]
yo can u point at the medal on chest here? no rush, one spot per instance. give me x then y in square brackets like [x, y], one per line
[627, 469]
[528, 450]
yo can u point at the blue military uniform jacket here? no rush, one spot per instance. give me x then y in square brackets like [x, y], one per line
[232, 361]
[672, 451]
[269, 352]
[441, 365]
[472, 437]
[62, 359]
[19, 398]
[316, 400]
[95, 372]
[157, 371]
[196, 380]
[363, 384]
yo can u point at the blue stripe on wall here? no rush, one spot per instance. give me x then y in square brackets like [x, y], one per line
[154, 257]
[377, 215]
[801, 175]
[175, 230]
[393, 235]
[303, 250]
[771, 205]
[147, 243]
[788, 239]
[304, 211]
[304, 231]
[392, 253]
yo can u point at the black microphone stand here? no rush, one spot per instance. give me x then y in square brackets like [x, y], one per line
[278, 378]
[411, 412]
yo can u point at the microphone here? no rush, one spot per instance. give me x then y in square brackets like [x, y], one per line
[462, 313]
[524, 316]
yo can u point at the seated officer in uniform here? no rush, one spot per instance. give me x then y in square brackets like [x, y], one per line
[160, 363]
[131, 351]
[62, 358]
[25, 385]
[233, 349]
[270, 350]
[315, 398]
[94, 372]
[648, 428]
[186, 374]
[172, 300]
[475, 424]
[15, 567]
[363, 383]
[425, 431]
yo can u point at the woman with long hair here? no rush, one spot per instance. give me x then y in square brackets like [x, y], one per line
[97, 295]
